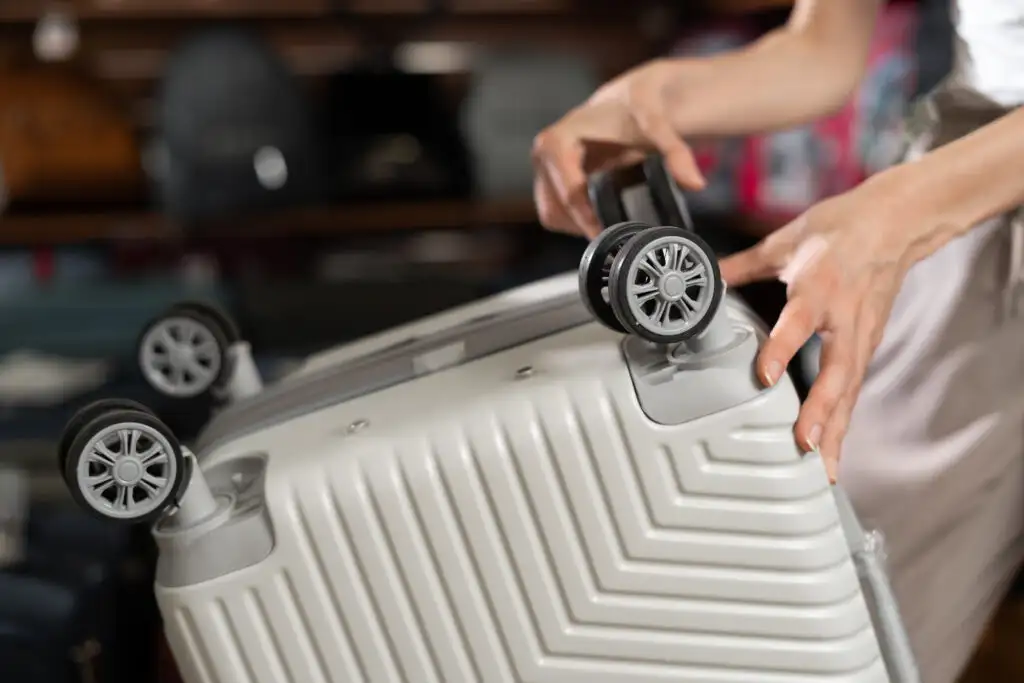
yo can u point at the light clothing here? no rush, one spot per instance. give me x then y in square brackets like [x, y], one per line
[935, 453]
[990, 48]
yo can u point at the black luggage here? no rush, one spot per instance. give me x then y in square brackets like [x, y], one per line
[74, 610]
[234, 131]
[393, 136]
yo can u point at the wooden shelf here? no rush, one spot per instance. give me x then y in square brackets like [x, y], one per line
[21, 11]
[53, 229]
[747, 6]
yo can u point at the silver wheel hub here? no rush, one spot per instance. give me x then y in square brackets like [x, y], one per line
[672, 285]
[180, 357]
[669, 285]
[127, 470]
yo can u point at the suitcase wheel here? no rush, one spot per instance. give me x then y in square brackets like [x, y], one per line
[665, 285]
[595, 266]
[126, 465]
[84, 415]
[215, 313]
[183, 352]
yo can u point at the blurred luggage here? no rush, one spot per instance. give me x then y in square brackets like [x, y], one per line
[64, 139]
[392, 137]
[74, 609]
[513, 96]
[105, 315]
[234, 132]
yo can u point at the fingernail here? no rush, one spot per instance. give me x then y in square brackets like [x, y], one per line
[832, 470]
[773, 372]
[813, 437]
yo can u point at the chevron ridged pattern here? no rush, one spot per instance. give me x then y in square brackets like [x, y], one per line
[555, 536]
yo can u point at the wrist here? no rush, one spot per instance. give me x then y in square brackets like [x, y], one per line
[915, 202]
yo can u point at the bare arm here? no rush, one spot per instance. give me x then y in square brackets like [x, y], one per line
[803, 71]
[963, 183]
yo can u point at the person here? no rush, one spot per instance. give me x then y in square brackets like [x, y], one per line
[911, 280]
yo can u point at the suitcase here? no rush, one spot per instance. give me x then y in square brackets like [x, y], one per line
[514, 490]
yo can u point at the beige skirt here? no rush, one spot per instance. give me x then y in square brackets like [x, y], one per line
[935, 453]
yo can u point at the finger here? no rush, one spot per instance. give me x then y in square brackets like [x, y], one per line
[605, 157]
[549, 209]
[797, 322]
[839, 422]
[750, 265]
[570, 185]
[838, 360]
[831, 446]
[562, 164]
[678, 156]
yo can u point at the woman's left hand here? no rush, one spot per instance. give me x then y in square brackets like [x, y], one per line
[843, 262]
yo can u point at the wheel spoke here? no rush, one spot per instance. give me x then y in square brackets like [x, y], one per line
[176, 375]
[648, 268]
[152, 455]
[206, 348]
[100, 482]
[101, 454]
[643, 299]
[121, 501]
[166, 338]
[659, 312]
[153, 485]
[681, 252]
[129, 439]
[691, 305]
[695, 276]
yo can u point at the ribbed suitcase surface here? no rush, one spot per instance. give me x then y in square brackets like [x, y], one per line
[533, 526]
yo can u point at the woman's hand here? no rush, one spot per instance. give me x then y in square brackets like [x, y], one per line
[843, 262]
[621, 122]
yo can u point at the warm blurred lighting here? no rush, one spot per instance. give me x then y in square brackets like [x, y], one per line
[56, 37]
[434, 57]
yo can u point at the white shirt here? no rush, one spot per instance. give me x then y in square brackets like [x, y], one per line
[990, 53]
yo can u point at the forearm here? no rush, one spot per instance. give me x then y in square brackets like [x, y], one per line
[965, 182]
[791, 76]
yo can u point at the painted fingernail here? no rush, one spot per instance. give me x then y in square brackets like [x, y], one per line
[813, 437]
[773, 372]
[832, 470]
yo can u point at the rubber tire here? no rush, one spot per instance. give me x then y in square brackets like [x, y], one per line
[112, 417]
[618, 285]
[216, 330]
[592, 281]
[605, 199]
[86, 414]
[227, 324]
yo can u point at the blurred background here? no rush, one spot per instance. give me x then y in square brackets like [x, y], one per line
[322, 169]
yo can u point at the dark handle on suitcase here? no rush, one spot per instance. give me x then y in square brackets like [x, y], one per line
[644, 192]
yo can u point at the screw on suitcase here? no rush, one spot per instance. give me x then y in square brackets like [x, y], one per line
[509, 491]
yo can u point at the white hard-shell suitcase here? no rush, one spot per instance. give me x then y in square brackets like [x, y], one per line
[508, 492]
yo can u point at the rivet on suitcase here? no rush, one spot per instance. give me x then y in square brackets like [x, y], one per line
[512, 491]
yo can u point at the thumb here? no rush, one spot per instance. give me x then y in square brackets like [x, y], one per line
[750, 265]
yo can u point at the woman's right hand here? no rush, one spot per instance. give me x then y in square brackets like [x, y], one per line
[624, 120]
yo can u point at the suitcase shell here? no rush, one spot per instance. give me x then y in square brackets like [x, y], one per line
[511, 492]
